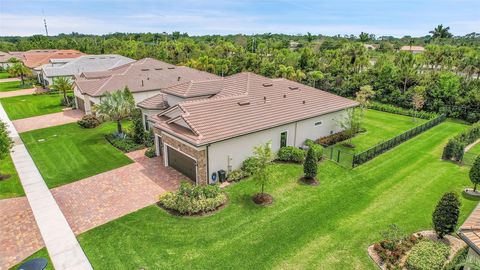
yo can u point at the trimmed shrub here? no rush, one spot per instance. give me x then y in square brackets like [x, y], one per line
[445, 216]
[428, 255]
[334, 138]
[70, 99]
[402, 111]
[310, 165]
[475, 173]
[291, 154]
[89, 121]
[250, 165]
[455, 147]
[150, 152]
[138, 130]
[317, 148]
[125, 144]
[149, 139]
[191, 200]
[459, 258]
[236, 175]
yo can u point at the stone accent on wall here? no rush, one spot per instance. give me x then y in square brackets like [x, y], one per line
[199, 154]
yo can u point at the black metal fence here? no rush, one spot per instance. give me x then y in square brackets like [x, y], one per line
[378, 149]
[339, 156]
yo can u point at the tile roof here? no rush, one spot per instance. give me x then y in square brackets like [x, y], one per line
[470, 230]
[143, 75]
[85, 63]
[36, 58]
[157, 102]
[5, 56]
[248, 103]
[195, 88]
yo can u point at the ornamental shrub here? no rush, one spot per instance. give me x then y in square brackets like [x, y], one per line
[236, 175]
[456, 146]
[89, 121]
[317, 148]
[150, 152]
[445, 216]
[250, 165]
[475, 173]
[138, 130]
[190, 200]
[428, 255]
[291, 154]
[125, 144]
[310, 165]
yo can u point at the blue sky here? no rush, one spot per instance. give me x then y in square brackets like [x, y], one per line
[196, 17]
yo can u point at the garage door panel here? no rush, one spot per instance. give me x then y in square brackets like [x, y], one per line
[182, 163]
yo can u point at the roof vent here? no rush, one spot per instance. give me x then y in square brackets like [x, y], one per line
[304, 102]
[158, 68]
[171, 67]
[142, 85]
[265, 99]
[178, 79]
[145, 69]
[267, 84]
[293, 87]
[148, 78]
[284, 96]
[243, 103]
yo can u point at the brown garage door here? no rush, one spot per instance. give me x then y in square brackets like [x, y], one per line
[182, 163]
[80, 104]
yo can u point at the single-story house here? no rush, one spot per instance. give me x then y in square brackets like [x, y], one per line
[6, 56]
[470, 233]
[213, 125]
[145, 78]
[86, 63]
[413, 49]
[34, 59]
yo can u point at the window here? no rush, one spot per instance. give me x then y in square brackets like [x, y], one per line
[319, 123]
[146, 122]
[283, 139]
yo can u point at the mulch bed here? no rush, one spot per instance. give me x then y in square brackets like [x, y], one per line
[309, 181]
[4, 176]
[263, 199]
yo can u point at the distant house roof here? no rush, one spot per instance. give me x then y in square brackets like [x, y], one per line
[143, 75]
[157, 102]
[36, 58]
[470, 230]
[83, 64]
[6, 56]
[246, 103]
[195, 88]
[412, 48]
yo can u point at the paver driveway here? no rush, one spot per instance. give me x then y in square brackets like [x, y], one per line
[19, 233]
[107, 196]
[48, 120]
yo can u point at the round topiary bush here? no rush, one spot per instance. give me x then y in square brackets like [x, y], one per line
[428, 255]
[89, 121]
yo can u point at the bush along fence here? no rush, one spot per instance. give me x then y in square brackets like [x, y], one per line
[378, 149]
[455, 148]
[402, 111]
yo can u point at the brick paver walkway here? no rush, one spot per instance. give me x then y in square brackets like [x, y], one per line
[19, 234]
[48, 120]
[15, 93]
[104, 197]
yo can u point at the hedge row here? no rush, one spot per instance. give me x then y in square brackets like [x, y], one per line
[398, 110]
[455, 148]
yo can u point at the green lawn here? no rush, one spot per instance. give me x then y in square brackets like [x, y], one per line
[380, 126]
[32, 105]
[67, 153]
[4, 75]
[12, 86]
[10, 187]
[472, 154]
[324, 227]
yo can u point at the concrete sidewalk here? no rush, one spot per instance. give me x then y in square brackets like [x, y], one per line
[63, 248]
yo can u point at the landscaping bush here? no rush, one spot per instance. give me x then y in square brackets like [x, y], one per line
[428, 255]
[236, 175]
[445, 216]
[150, 152]
[310, 165]
[69, 102]
[89, 121]
[334, 138]
[149, 138]
[138, 130]
[250, 165]
[291, 154]
[125, 144]
[459, 258]
[398, 110]
[317, 148]
[474, 173]
[455, 147]
[191, 200]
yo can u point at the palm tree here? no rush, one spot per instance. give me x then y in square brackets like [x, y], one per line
[315, 76]
[19, 70]
[441, 32]
[116, 106]
[63, 84]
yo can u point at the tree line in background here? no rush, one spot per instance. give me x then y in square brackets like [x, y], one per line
[443, 79]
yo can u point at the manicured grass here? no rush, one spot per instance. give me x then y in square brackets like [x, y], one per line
[67, 153]
[12, 86]
[472, 154]
[324, 227]
[10, 187]
[42, 253]
[4, 75]
[380, 126]
[32, 105]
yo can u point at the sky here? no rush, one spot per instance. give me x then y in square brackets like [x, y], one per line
[199, 17]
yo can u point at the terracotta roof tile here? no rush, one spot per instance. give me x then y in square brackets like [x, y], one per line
[157, 102]
[36, 58]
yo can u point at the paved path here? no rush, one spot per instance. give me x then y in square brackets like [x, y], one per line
[16, 93]
[63, 248]
[20, 236]
[107, 196]
[48, 120]
[10, 80]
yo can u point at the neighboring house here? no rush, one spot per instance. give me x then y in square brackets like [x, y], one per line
[145, 78]
[413, 49]
[370, 46]
[6, 56]
[203, 136]
[470, 233]
[85, 63]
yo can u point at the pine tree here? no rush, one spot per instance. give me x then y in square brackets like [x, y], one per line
[310, 165]
[445, 216]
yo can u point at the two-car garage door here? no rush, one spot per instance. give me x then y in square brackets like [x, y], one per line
[182, 163]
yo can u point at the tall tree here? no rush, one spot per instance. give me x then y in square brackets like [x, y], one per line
[63, 85]
[475, 173]
[18, 69]
[407, 68]
[262, 173]
[418, 99]
[116, 106]
[441, 32]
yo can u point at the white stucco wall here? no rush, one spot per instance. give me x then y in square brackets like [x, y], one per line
[229, 154]
[173, 100]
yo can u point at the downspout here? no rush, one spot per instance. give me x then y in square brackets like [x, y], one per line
[295, 136]
[208, 170]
